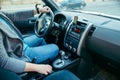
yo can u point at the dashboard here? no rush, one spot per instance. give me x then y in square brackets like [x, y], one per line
[103, 38]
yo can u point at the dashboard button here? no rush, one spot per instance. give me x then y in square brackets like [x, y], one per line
[70, 47]
[74, 50]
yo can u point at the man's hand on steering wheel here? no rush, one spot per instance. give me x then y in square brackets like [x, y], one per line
[44, 21]
[45, 9]
[41, 9]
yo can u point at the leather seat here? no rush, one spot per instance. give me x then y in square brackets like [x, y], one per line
[8, 75]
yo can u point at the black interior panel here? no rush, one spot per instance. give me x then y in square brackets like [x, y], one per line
[105, 42]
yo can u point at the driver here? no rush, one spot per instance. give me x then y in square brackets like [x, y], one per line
[14, 49]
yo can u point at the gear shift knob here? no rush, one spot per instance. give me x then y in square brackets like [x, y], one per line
[62, 54]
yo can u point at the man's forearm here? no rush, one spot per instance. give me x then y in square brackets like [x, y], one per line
[30, 67]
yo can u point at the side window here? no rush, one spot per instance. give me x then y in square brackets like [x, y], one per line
[18, 4]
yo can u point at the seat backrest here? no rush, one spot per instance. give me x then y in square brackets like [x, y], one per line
[12, 26]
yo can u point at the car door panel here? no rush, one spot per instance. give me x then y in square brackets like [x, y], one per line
[23, 21]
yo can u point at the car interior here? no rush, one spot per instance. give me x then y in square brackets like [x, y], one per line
[89, 43]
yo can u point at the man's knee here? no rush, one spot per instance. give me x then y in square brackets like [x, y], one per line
[54, 51]
[55, 47]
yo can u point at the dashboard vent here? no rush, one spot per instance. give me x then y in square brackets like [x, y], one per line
[91, 31]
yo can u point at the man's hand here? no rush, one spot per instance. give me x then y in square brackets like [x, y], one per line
[40, 68]
[44, 69]
[45, 9]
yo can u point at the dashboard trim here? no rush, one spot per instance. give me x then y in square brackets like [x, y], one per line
[67, 31]
[83, 37]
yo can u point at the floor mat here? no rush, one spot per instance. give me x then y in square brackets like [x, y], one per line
[104, 75]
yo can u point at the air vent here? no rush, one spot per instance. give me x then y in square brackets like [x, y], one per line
[91, 31]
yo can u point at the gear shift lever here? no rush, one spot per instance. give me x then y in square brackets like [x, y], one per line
[62, 61]
[59, 63]
[62, 55]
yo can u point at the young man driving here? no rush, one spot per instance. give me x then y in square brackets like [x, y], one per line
[13, 47]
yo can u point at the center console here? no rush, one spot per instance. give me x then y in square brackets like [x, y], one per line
[73, 36]
[71, 44]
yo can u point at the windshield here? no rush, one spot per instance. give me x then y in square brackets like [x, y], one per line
[111, 7]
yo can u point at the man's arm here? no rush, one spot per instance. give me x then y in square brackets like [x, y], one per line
[20, 66]
[8, 62]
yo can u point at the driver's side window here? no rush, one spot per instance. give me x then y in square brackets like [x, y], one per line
[13, 5]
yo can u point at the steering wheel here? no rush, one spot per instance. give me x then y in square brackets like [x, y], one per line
[44, 24]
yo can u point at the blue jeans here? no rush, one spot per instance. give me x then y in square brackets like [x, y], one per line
[37, 47]
[62, 75]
